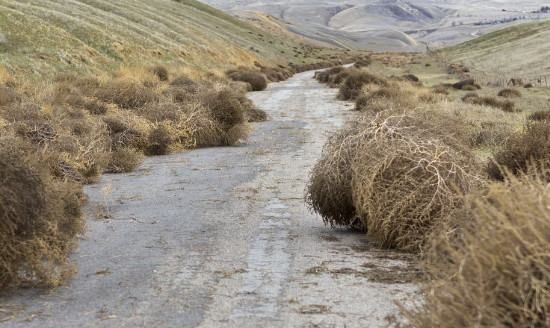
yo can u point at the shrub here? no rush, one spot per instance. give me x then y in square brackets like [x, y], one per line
[406, 180]
[541, 115]
[528, 147]
[126, 94]
[39, 221]
[504, 105]
[329, 190]
[8, 96]
[469, 97]
[351, 88]
[257, 80]
[468, 85]
[528, 86]
[160, 72]
[225, 107]
[383, 99]
[509, 93]
[183, 82]
[159, 142]
[440, 89]
[362, 62]
[124, 160]
[488, 265]
[96, 107]
[399, 174]
[326, 75]
[255, 115]
[411, 78]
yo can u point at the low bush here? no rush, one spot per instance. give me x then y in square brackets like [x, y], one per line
[124, 160]
[351, 88]
[406, 179]
[411, 78]
[399, 174]
[504, 105]
[441, 89]
[159, 142]
[385, 98]
[126, 94]
[257, 80]
[488, 264]
[160, 72]
[326, 75]
[509, 93]
[329, 190]
[39, 221]
[529, 147]
[8, 96]
[541, 115]
[467, 85]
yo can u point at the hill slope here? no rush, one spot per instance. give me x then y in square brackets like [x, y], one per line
[44, 36]
[521, 50]
[398, 25]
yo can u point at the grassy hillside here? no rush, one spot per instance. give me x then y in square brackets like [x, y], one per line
[520, 50]
[45, 36]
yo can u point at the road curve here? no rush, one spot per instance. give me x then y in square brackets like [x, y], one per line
[220, 237]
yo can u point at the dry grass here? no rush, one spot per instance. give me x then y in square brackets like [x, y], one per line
[124, 160]
[40, 219]
[406, 179]
[528, 147]
[504, 105]
[488, 263]
[255, 79]
[467, 85]
[126, 94]
[329, 190]
[354, 83]
[509, 93]
[398, 173]
[160, 72]
[541, 115]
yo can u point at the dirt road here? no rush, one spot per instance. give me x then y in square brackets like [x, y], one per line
[221, 238]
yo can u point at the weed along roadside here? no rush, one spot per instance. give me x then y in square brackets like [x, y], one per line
[433, 174]
[164, 163]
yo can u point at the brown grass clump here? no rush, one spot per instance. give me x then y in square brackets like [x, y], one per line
[399, 174]
[406, 180]
[40, 219]
[504, 105]
[467, 85]
[124, 160]
[522, 150]
[385, 98]
[126, 94]
[257, 80]
[441, 89]
[469, 97]
[488, 263]
[160, 140]
[351, 88]
[226, 107]
[160, 72]
[329, 190]
[411, 78]
[326, 75]
[509, 93]
[8, 96]
[541, 115]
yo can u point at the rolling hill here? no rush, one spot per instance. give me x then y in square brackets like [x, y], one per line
[40, 37]
[517, 51]
[395, 25]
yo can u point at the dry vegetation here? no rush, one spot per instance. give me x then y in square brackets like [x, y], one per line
[416, 168]
[488, 262]
[79, 127]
